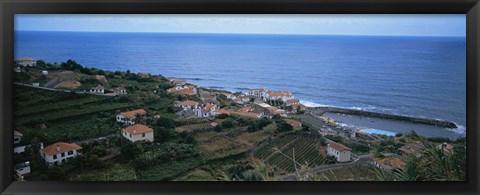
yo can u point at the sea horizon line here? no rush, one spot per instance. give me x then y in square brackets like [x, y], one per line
[230, 33]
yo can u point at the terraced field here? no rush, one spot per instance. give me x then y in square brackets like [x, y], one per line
[213, 146]
[307, 151]
[80, 116]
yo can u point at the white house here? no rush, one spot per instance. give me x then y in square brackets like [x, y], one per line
[206, 111]
[26, 62]
[280, 95]
[22, 169]
[17, 69]
[98, 89]
[17, 137]
[59, 152]
[129, 117]
[291, 102]
[138, 132]
[120, 90]
[342, 153]
[184, 90]
[44, 72]
[188, 105]
[257, 93]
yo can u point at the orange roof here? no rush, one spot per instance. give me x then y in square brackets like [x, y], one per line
[209, 106]
[293, 100]
[280, 93]
[188, 103]
[379, 161]
[292, 122]
[60, 147]
[222, 111]
[138, 129]
[397, 163]
[271, 93]
[245, 109]
[339, 147]
[133, 113]
[186, 92]
[25, 59]
[17, 133]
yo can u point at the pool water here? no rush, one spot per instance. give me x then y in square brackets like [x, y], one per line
[377, 131]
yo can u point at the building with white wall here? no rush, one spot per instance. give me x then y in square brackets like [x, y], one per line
[342, 153]
[129, 117]
[59, 152]
[138, 132]
[26, 62]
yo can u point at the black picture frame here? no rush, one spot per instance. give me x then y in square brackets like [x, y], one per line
[10, 7]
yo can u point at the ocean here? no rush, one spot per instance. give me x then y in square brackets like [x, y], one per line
[415, 76]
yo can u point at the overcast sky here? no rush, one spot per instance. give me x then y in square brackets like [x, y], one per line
[331, 24]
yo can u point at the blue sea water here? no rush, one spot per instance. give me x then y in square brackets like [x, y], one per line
[416, 76]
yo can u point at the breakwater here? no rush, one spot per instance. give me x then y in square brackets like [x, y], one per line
[427, 121]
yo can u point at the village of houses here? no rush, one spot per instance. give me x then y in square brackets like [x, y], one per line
[204, 103]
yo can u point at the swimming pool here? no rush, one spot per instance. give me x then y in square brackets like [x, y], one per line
[377, 131]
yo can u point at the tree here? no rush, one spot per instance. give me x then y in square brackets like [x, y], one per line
[131, 150]
[228, 123]
[41, 64]
[284, 126]
[165, 122]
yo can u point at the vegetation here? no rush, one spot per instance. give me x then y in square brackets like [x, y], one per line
[431, 164]
[192, 149]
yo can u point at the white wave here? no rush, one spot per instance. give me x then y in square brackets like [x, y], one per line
[313, 104]
[460, 129]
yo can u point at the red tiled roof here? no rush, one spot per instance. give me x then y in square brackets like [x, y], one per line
[245, 109]
[292, 122]
[138, 129]
[188, 103]
[60, 147]
[209, 106]
[339, 147]
[133, 113]
[293, 101]
[222, 111]
[17, 133]
[186, 92]
[397, 163]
